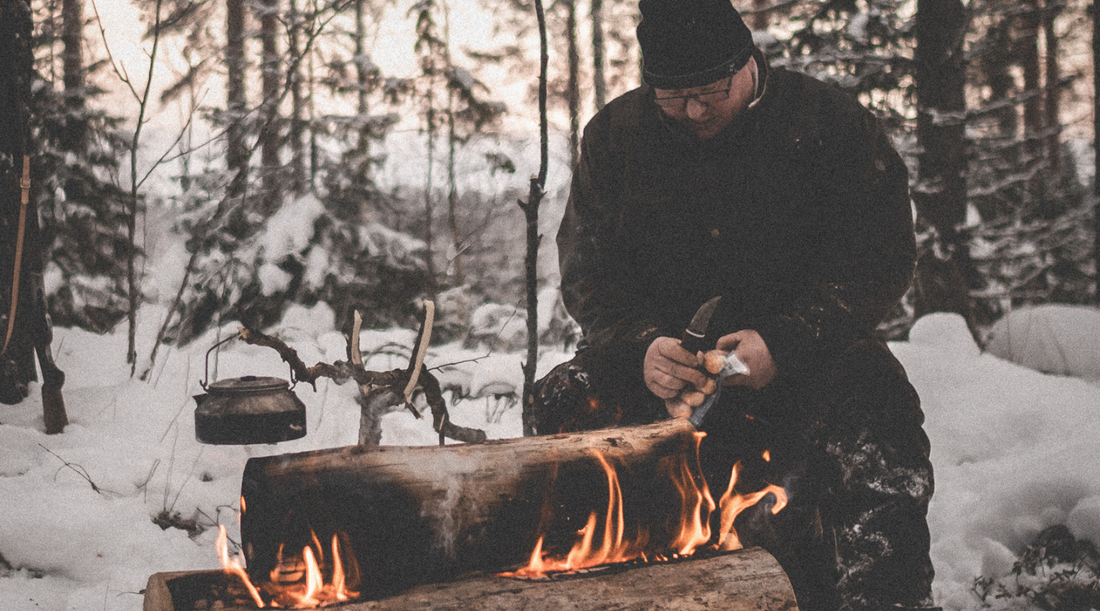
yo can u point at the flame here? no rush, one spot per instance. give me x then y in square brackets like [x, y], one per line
[696, 505]
[613, 546]
[296, 582]
[691, 530]
[231, 565]
[299, 581]
[733, 504]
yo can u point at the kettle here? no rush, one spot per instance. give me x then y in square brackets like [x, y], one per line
[249, 409]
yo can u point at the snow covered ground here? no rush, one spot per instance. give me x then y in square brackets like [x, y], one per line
[1015, 450]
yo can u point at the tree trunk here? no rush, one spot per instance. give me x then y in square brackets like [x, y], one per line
[75, 136]
[459, 274]
[599, 79]
[362, 77]
[429, 205]
[415, 515]
[760, 16]
[429, 46]
[236, 101]
[941, 166]
[531, 215]
[746, 580]
[996, 62]
[269, 109]
[1052, 101]
[297, 102]
[1096, 158]
[1027, 57]
[573, 93]
[314, 147]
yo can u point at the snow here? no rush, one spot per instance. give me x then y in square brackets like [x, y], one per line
[1050, 338]
[1014, 451]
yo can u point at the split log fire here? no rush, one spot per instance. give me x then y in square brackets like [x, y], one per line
[385, 523]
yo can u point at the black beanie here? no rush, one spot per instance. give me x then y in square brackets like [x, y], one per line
[690, 43]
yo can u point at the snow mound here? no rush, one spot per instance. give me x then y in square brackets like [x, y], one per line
[1057, 339]
[946, 331]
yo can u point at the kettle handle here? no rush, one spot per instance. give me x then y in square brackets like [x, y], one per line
[206, 366]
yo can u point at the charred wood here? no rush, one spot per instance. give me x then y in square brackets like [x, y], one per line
[413, 515]
[746, 580]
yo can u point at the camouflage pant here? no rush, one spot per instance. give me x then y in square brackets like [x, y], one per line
[846, 443]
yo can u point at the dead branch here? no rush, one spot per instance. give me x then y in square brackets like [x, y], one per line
[338, 372]
[378, 389]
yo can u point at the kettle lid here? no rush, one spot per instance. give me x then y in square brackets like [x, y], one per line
[247, 385]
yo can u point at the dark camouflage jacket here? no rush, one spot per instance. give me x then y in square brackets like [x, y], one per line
[798, 214]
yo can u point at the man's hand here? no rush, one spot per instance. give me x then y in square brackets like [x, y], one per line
[753, 352]
[668, 368]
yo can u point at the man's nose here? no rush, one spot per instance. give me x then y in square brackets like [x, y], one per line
[695, 109]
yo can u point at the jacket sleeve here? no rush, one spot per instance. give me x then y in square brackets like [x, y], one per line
[597, 290]
[868, 238]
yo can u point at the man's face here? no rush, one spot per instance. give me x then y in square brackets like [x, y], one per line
[705, 111]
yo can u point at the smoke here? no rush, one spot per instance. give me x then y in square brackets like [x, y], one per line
[460, 481]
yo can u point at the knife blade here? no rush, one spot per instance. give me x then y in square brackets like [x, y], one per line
[696, 332]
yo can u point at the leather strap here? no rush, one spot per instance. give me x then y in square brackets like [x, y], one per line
[24, 198]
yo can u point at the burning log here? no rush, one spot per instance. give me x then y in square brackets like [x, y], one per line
[414, 515]
[746, 580]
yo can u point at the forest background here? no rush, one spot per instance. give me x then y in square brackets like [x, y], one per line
[397, 133]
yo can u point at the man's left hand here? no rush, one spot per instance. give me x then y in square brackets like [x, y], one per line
[753, 352]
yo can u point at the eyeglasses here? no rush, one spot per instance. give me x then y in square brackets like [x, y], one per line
[706, 98]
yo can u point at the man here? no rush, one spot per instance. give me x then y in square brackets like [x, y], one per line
[724, 176]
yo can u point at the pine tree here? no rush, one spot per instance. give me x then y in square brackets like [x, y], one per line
[82, 209]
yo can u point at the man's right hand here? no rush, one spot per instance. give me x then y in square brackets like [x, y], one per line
[668, 368]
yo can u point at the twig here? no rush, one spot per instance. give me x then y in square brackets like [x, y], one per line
[143, 485]
[79, 471]
[441, 418]
[492, 345]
